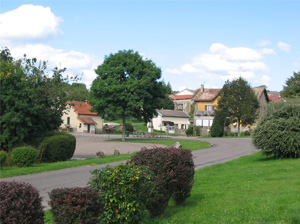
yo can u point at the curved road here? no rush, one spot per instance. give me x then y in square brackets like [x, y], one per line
[222, 150]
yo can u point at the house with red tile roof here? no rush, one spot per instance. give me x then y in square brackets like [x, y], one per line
[183, 100]
[274, 96]
[79, 117]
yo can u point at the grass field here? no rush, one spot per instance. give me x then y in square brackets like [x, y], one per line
[252, 189]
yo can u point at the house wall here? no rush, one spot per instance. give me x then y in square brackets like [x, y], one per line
[178, 122]
[200, 106]
[186, 105]
[75, 123]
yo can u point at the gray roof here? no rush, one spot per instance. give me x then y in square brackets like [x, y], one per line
[172, 113]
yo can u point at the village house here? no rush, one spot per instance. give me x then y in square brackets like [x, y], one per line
[79, 118]
[171, 121]
[183, 100]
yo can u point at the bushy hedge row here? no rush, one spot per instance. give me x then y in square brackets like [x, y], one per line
[20, 203]
[75, 205]
[24, 156]
[124, 191]
[59, 147]
[278, 131]
[173, 175]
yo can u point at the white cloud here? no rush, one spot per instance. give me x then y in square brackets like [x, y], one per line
[28, 22]
[189, 68]
[267, 51]
[284, 46]
[235, 75]
[264, 43]
[77, 63]
[173, 71]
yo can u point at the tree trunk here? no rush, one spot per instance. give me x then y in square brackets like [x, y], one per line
[239, 124]
[124, 128]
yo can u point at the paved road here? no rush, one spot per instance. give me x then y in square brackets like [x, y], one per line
[222, 150]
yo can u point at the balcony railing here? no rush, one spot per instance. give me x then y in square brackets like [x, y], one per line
[204, 112]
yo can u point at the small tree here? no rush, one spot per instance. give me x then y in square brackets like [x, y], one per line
[278, 131]
[238, 102]
[217, 128]
[127, 85]
[292, 87]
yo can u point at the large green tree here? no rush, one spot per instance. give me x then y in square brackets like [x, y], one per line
[77, 92]
[292, 87]
[31, 101]
[237, 103]
[127, 85]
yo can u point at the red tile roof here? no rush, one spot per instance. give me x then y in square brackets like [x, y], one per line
[207, 95]
[82, 108]
[87, 120]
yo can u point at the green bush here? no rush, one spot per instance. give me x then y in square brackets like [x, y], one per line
[24, 156]
[20, 203]
[3, 158]
[197, 130]
[75, 205]
[173, 171]
[129, 127]
[59, 147]
[190, 130]
[278, 131]
[246, 133]
[217, 128]
[124, 192]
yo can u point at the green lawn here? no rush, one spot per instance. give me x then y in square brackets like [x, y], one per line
[38, 168]
[252, 189]
[186, 144]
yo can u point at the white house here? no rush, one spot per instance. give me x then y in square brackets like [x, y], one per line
[170, 121]
[78, 117]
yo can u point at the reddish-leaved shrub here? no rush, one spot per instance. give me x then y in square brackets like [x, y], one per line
[75, 205]
[20, 203]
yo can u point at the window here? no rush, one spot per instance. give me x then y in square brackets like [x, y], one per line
[68, 120]
[209, 107]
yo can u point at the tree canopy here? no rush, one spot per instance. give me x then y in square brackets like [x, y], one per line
[237, 103]
[292, 87]
[127, 85]
[76, 92]
[31, 101]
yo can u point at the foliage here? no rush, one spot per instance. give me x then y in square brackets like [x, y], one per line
[278, 131]
[190, 130]
[20, 203]
[129, 127]
[24, 156]
[217, 128]
[238, 102]
[75, 205]
[292, 88]
[3, 158]
[124, 192]
[59, 147]
[197, 130]
[167, 103]
[127, 85]
[173, 175]
[192, 112]
[77, 92]
[31, 101]
[246, 133]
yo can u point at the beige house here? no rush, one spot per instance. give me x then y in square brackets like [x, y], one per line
[171, 121]
[78, 117]
[183, 100]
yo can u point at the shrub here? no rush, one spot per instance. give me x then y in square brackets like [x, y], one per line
[59, 147]
[190, 130]
[24, 156]
[129, 127]
[246, 133]
[217, 128]
[278, 131]
[197, 130]
[124, 192]
[3, 158]
[75, 205]
[173, 171]
[20, 203]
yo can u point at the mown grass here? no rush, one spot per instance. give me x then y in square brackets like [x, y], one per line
[10, 171]
[186, 144]
[252, 189]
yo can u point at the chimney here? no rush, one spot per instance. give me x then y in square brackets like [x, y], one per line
[202, 88]
[86, 102]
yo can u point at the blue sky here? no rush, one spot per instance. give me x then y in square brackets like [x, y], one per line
[193, 42]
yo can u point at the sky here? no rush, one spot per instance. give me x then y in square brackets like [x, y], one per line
[194, 42]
